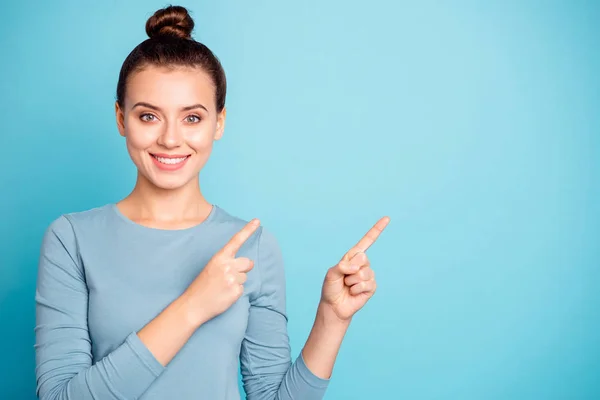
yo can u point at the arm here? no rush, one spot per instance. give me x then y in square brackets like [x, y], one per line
[64, 368]
[324, 342]
[267, 370]
[346, 289]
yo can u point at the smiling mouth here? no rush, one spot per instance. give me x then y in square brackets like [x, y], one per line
[170, 160]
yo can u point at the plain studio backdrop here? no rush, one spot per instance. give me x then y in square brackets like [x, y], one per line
[473, 125]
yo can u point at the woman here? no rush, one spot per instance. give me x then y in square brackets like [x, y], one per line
[160, 295]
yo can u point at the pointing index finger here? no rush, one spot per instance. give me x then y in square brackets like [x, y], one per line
[372, 235]
[236, 242]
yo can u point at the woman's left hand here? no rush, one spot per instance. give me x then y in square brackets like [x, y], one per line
[351, 283]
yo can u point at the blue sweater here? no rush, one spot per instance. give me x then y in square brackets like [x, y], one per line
[102, 277]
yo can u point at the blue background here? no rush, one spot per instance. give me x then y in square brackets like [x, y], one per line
[474, 125]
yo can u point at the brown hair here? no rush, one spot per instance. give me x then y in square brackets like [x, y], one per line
[170, 44]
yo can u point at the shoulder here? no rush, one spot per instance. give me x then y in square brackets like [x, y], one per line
[66, 227]
[262, 246]
[82, 217]
[60, 245]
[89, 216]
[264, 239]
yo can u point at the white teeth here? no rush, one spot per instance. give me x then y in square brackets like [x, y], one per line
[170, 160]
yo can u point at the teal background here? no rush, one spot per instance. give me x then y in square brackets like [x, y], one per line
[474, 125]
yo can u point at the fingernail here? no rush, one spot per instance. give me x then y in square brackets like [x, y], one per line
[354, 267]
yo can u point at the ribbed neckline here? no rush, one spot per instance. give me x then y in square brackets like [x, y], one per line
[211, 216]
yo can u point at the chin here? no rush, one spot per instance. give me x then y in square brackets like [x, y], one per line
[170, 184]
[164, 181]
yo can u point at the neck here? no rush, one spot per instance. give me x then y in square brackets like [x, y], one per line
[148, 202]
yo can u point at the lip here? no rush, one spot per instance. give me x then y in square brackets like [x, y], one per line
[169, 167]
[162, 155]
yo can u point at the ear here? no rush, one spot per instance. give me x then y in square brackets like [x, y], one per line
[120, 119]
[220, 124]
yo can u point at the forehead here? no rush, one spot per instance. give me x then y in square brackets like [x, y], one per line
[171, 88]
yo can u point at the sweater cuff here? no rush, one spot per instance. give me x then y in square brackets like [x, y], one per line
[144, 355]
[308, 377]
[127, 372]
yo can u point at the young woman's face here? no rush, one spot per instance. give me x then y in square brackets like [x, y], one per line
[169, 122]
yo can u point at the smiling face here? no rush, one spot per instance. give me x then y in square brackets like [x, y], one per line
[169, 120]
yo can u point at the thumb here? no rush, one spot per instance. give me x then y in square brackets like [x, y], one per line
[341, 269]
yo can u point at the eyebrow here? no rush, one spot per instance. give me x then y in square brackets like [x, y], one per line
[186, 108]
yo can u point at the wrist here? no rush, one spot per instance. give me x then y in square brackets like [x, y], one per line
[190, 314]
[328, 317]
[324, 341]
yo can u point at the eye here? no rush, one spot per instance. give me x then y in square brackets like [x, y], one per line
[192, 119]
[147, 117]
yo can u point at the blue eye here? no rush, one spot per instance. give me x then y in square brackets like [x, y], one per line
[143, 117]
[194, 119]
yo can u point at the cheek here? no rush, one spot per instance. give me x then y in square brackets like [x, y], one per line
[141, 139]
[200, 140]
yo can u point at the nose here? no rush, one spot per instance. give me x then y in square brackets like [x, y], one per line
[171, 137]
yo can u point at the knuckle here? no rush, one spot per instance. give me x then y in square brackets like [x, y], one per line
[352, 268]
[244, 263]
[359, 257]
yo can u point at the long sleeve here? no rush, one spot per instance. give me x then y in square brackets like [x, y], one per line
[266, 367]
[64, 368]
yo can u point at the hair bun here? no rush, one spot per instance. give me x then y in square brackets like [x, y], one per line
[170, 21]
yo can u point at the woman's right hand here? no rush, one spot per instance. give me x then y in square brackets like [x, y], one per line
[221, 282]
